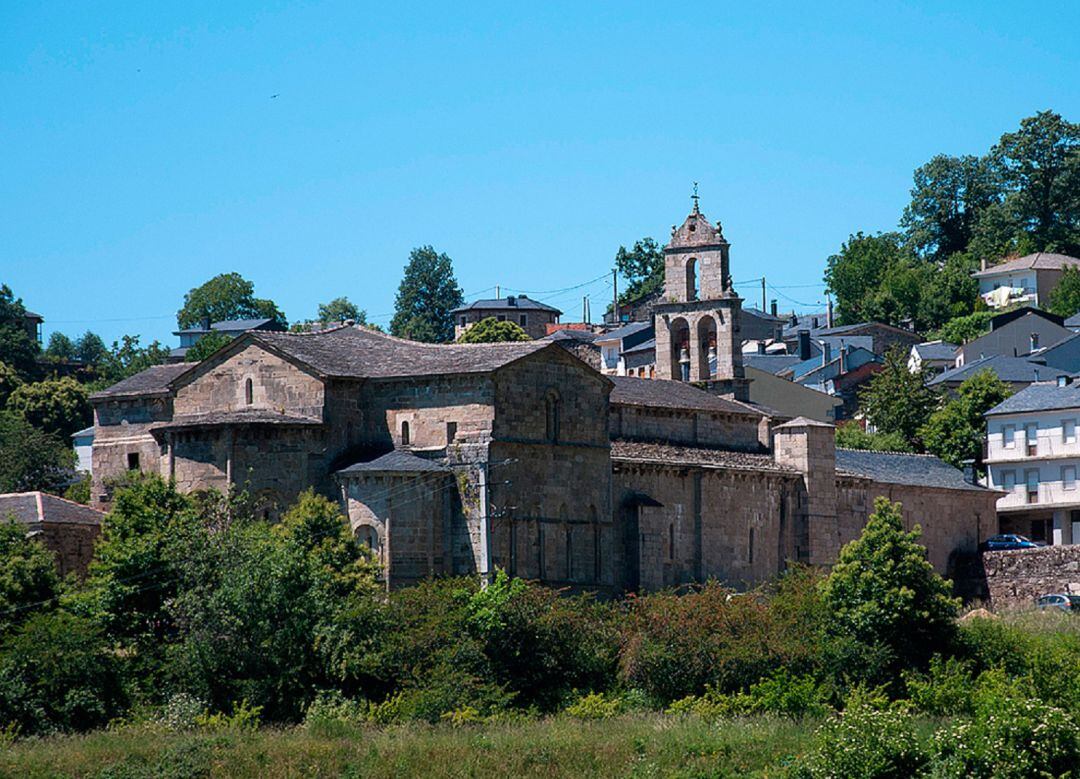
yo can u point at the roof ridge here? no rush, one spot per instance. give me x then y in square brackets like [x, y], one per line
[889, 451]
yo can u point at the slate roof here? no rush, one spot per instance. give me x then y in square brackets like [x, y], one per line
[936, 350]
[397, 461]
[152, 381]
[917, 470]
[663, 393]
[84, 432]
[1037, 261]
[1039, 397]
[757, 312]
[354, 352]
[665, 454]
[1016, 370]
[253, 416]
[1073, 322]
[644, 346]
[622, 332]
[229, 326]
[585, 336]
[772, 363]
[34, 507]
[521, 302]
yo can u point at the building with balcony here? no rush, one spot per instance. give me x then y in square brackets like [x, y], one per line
[1033, 457]
[1028, 279]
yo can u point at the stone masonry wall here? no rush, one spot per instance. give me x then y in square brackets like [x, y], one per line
[1015, 577]
[73, 545]
[692, 428]
[121, 429]
[952, 521]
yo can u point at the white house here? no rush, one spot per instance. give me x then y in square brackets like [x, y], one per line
[83, 441]
[1033, 456]
[1028, 279]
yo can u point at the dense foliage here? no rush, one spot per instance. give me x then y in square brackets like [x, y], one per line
[489, 330]
[642, 266]
[955, 432]
[427, 294]
[896, 401]
[226, 296]
[206, 346]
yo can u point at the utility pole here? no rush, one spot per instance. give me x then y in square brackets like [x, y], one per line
[763, 309]
[615, 302]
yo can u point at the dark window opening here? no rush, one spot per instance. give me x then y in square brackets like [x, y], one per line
[671, 542]
[133, 461]
[500, 318]
[451, 432]
[248, 392]
[404, 433]
[524, 320]
[552, 409]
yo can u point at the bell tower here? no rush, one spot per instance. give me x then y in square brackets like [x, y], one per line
[697, 322]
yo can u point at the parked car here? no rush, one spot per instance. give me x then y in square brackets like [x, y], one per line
[1009, 541]
[1059, 601]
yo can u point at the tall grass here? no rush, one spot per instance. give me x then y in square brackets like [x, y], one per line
[631, 745]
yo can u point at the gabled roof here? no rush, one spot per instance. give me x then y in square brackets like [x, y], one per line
[917, 470]
[356, 352]
[772, 363]
[34, 507]
[517, 302]
[245, 416]
[936, 350]
[644, 346]
[397, 461]
[86, 431]
[154, 380]
[1036, 261]
[759, 314]
[1039, 397]
[233, 326]
[1005, 317]
[1015, 370]
[695, 232]
[664, 393]
[620, 333]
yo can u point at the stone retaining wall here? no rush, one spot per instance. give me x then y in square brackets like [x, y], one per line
[1014, 578]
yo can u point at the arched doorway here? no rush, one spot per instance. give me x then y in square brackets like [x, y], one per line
[706, 343]
[680, 349]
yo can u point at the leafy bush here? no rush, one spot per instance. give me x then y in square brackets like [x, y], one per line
[595, 705]
[180, 713]
[243, 718]
[332, 715]
[787, 695]
[884, 591]
[28, 578]
[946, 689]
[865, 742]
[58, 674]
[1011, 737]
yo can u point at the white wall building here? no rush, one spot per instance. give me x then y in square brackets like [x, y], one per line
[1033, 456]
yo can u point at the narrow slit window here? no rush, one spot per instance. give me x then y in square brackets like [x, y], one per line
[404, 433]
[249, 392]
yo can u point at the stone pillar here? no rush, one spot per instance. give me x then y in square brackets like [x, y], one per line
[695, 353]
[1062, 528]
[810, 447]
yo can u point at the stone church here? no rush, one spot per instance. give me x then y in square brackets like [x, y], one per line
[456, 459]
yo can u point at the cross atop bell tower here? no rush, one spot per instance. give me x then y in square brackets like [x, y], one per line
[696, 260]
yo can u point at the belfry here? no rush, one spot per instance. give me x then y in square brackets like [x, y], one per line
[697, 321]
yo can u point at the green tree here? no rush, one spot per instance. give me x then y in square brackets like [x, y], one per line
[1040, 164]
[643, 268]
[897, 401]
[850, 435]
[226, 296]
[961, 329]
[955, 432]
[32, 459]
[57, 406]
[58, 674]
[854, 275]
[28, 577]
[9, 382]
[884, 591]
[1065, 297]
[947, 198]
[132, 576]
[90, 349]
[341, 309]
[126, 358]
[490, 330]
[60, 348]
[206, 346]
[950, 292]
[425, 298]
[18, 348]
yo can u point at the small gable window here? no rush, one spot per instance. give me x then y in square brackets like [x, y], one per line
[404, 433]
[249, 392]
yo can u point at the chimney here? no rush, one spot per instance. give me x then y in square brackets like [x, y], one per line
[814, 323]
[828, 315]
[205, 323]
[510, 301]
[761, 347]
[772, 307]
[982, 264]
[843, 358]
[804, 345]
[1034, 342]
[826, 352]
[969, 471]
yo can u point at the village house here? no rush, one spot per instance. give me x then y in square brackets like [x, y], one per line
[1029, 279]
[460, 458]
[531, 315]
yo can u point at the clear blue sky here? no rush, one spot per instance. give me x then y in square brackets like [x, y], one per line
[142, 151]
